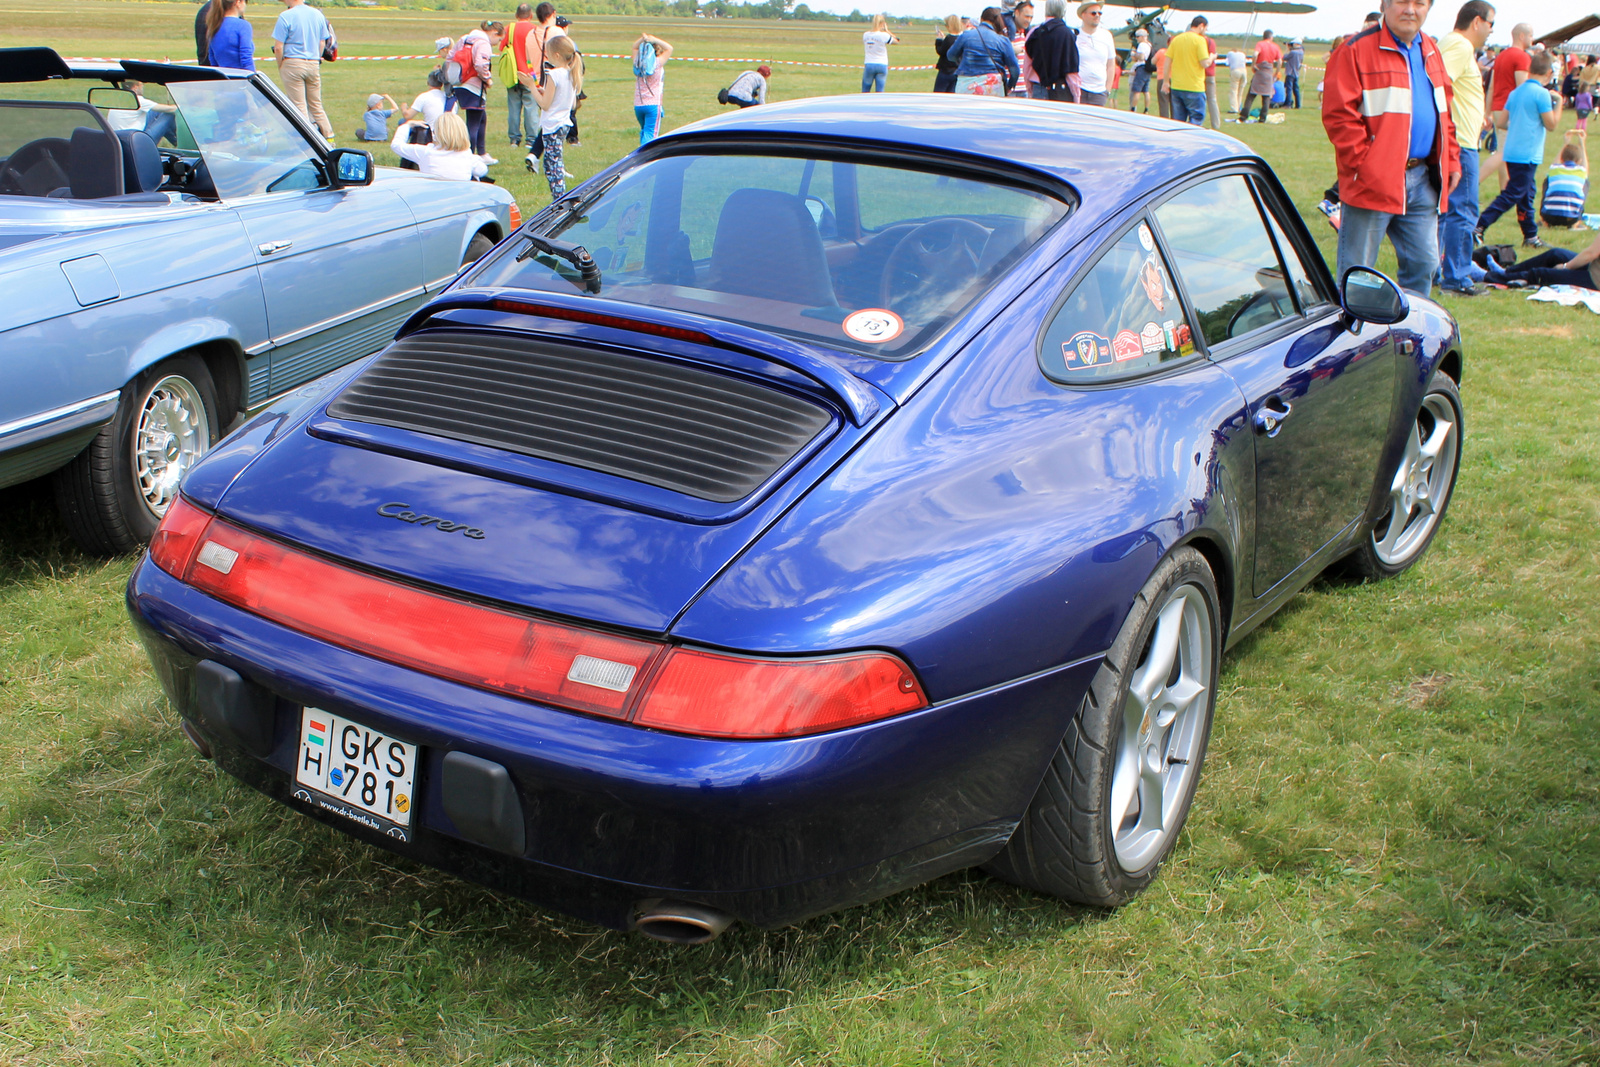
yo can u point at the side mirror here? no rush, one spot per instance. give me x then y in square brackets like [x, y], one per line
[108, 99]
[349, 166]
[1369, 296]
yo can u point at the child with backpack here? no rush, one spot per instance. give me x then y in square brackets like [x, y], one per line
[468, 73]
[650, 55]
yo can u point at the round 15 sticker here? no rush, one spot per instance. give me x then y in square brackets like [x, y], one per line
[873, 325]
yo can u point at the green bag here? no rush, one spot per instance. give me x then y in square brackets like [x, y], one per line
[505, 67]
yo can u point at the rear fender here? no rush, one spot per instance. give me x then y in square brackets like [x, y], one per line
[215, 340]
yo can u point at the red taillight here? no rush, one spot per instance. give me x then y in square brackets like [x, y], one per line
[439, 635]
[708, 693]
[178, 536]
[692, 691]
[516, 216]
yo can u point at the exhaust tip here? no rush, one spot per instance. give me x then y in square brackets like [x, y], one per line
[196, 738]
[678, 922]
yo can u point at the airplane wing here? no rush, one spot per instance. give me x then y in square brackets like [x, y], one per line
[1241, 7]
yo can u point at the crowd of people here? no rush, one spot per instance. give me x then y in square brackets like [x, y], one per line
[1410, 117]
[1408, 171]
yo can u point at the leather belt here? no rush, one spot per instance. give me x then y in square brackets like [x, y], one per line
[1416, 163]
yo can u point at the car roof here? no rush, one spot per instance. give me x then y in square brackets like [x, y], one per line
[1095, 150]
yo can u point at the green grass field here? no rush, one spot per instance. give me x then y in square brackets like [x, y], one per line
[1394, 857]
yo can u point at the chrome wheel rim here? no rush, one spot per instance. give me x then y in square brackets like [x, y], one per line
[1418, 493]
[1163, 731]
[169, 437]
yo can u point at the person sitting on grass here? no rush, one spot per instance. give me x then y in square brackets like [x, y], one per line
[1553, 266]
[449, 156]
[1566, 186]
[376, 120]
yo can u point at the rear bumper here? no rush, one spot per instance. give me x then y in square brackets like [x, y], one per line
[771, 832]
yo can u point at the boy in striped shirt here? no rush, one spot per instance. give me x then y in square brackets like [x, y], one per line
[1566, 187]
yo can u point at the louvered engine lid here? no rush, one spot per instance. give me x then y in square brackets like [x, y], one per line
[666, 423]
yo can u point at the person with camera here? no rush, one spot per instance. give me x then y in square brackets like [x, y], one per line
[429, 105]
[449, 155]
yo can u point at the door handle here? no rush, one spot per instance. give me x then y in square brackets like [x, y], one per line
[1270, 416]
[270, 247]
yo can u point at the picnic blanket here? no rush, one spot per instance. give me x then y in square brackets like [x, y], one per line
[1568, 296]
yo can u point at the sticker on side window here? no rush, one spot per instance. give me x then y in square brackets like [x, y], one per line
[1154, 284]
[1085, 349]
[1126, 345]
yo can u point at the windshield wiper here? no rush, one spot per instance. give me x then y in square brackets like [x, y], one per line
[573, 206]
[575, 254]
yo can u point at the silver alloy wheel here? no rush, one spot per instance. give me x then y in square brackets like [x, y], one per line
[169, 436]
[1424, 476]
[1163, 730]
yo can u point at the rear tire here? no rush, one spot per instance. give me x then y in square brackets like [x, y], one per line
[1117, 793]
[1419, 490]
[113, 494]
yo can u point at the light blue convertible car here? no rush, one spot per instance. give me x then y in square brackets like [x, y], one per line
[177, 246]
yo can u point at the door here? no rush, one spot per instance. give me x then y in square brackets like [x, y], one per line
[341, 268]
[1318, 395]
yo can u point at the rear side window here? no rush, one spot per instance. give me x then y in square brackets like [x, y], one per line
[1121, 319]
[1221, 250]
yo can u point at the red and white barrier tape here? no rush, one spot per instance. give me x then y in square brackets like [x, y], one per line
[587, 55]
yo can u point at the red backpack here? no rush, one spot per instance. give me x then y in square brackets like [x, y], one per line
[460, 66]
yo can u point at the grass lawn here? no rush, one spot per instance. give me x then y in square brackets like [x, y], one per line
[1394, 857]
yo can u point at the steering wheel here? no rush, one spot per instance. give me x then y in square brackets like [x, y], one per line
[934, 260]
[55, 149]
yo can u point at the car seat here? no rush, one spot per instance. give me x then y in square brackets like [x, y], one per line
[767, 246]
[37, 167]
[141, 162]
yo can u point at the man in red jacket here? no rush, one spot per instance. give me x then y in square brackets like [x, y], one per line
[1386, 107]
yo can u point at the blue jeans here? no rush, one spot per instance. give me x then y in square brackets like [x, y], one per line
[1415, 234]
[649, 116]
[874, 76]
[1291, 89]
[162, 124]
[472, 111]
[1518, 193]
[522, 116]
[1456, 225]
[944, 83]
[1189, 107]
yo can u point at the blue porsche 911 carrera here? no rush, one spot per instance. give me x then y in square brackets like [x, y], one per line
[823, 498]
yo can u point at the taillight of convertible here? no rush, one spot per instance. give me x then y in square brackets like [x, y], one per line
[651, 683]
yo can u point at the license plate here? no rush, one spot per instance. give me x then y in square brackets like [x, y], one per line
[355, 771]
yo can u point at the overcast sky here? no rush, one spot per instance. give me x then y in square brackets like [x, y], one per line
[1336, 16]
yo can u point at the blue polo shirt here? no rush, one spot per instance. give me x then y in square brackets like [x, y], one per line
[1424, 116]
[301, 30]
[1525, 110]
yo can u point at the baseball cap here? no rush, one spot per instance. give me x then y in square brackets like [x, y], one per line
[374, 100]
[441, 44]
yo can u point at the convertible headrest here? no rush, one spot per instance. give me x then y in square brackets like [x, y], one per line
[141, 162]
[95, 167]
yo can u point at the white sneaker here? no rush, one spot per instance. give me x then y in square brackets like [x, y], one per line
[488, 159]
[565, 173]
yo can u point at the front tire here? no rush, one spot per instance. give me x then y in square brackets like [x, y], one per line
[1119, 788]
[477, 248]
[1420, 489]
[113, 494]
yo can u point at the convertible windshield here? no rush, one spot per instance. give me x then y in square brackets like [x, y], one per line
[876, 258]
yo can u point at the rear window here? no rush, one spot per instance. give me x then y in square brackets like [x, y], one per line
[874, 258]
